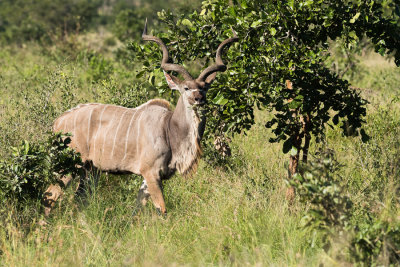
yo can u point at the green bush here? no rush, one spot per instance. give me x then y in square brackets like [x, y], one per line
[98, 67]
[317, 186]
[34, 166]
[128, 25]
[376, 241]
[371, 239]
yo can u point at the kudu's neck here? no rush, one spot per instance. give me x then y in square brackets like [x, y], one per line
[185, 131]
[186, 119]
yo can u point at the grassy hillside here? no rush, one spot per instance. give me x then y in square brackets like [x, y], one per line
[234, 214]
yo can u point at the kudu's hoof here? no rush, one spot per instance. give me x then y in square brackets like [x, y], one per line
[136, 211]
[160, 213]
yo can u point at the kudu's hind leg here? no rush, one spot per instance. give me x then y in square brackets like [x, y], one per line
[53, 193]
[142, 197]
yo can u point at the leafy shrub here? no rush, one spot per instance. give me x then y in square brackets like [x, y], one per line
[128, 25]
[32, 167]
[99, 67]
[127, 95]
[329, 207]
[376, 240]
[371, 239]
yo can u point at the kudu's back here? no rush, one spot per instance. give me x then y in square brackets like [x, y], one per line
[115, 138]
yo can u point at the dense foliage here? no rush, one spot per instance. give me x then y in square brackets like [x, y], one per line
[330, 213]
[317, 186]
[34, 166]
[279, 62]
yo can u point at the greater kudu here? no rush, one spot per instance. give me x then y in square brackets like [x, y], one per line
[150, 140]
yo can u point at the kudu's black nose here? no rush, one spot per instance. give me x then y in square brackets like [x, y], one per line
[199, 97]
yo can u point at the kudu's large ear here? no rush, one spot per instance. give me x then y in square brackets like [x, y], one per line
[173, 82]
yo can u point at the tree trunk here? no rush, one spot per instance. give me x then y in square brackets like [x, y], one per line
[307, 137]
[294, 159]
[293, 166]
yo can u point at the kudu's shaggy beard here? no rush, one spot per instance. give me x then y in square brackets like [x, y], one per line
[188, 153]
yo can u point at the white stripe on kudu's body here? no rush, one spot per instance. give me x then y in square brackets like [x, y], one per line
[116, 133]
[138, 134]
[75, 117]
[127, 135]
[150, 140]
[97, 131]
[88, 134]
[105, 136]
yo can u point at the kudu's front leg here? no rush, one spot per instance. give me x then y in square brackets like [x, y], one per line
[154, 187]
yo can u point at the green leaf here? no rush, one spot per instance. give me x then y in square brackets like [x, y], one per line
[287, 145]
[353, 35]
[291, 4]
[186, 22]
[232, 11]
[26, 148]
[140, 74]
[256, 23]
[272, 31]
[355, 17]
[295, 104]
[152, 79]
[297, 176]
[382, 51]
[220, 100]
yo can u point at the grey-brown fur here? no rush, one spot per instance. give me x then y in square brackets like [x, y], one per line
[119, 139]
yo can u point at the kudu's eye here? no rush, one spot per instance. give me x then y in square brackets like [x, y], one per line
[186, 88]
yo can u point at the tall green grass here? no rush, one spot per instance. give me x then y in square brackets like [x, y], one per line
[224, 215]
